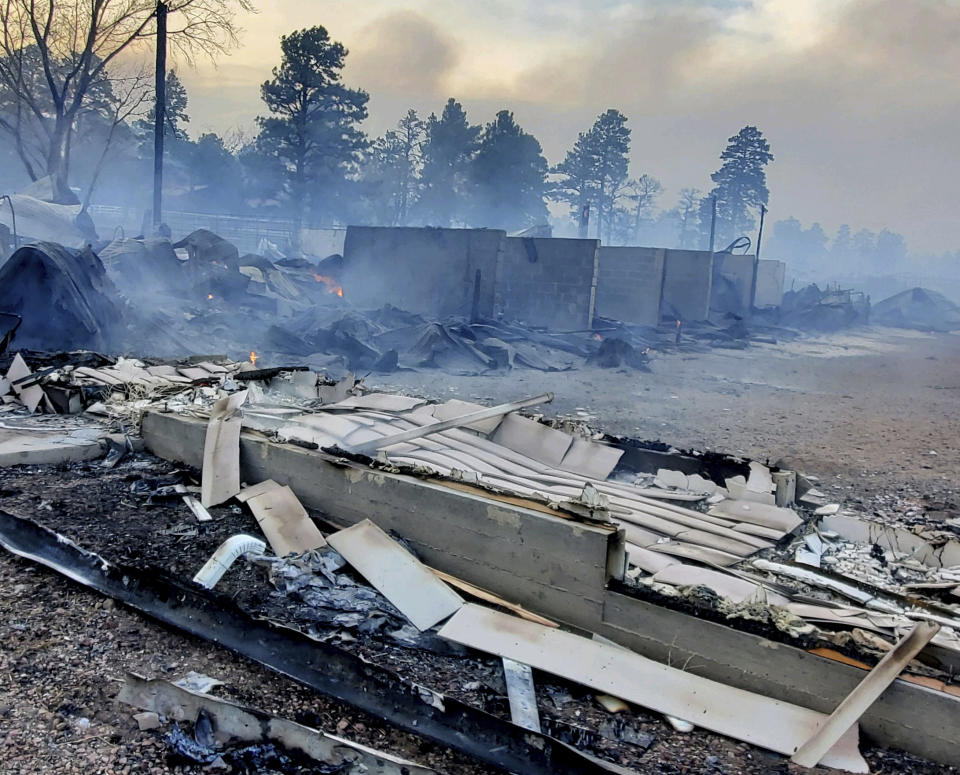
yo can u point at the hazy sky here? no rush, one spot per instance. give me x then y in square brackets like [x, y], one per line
[859, 99]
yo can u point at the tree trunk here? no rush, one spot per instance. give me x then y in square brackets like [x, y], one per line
[300, 195]
[58, 161]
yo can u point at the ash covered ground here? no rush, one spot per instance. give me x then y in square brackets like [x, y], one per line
[863, 410]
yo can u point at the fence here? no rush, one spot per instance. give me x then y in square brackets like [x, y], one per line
[244, 231]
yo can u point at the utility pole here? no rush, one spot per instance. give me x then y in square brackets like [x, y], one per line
[763, 212]
[713, 220]
[756, 261]
[159, 111]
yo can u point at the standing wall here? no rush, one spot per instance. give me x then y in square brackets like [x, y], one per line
[687, 284]
[739, 271]
[770, 279]
[429, 271]
[548, 282]
[629, 284]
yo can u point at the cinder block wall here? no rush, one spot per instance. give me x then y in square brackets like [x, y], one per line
[629, 284]
[429, 271]
[687, 283]
[739, 271]
[548, 282]
[770, 279]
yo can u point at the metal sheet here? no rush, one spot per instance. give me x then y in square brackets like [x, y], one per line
[591, 459]
[236, 722]
[764, 514]
[401, 577]
[521, 694]
[745, 716]
[533, 439]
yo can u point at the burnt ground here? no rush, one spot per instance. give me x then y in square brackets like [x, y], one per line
[63, 648]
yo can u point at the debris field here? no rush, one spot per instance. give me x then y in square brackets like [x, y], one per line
[257, 560]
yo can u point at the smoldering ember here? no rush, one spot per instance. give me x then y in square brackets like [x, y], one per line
[406, 466]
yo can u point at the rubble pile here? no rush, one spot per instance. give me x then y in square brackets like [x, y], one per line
[173, 299]
[813, 309]
[64, 297]
[918, 308]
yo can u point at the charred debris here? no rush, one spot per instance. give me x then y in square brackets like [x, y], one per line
[530, 591]
[405, 556]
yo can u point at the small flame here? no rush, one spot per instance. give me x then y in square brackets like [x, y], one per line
[253, 358]
[209, 296]
[331, 284]
[679, 323]
[598, 337]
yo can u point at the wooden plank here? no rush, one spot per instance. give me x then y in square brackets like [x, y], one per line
[909, 717]
[868, 691]
[488, 597]
[418, 594]
[752, 718]
[254, 490]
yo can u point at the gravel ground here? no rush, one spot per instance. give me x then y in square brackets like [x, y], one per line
[862, 410]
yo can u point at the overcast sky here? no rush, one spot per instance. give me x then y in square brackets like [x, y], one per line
[859, 98]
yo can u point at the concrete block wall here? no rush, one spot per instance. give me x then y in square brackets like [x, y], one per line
[630, 284]
[548, 282]
[770, 280]
[739, 272]
[432, 272]
[687, 284]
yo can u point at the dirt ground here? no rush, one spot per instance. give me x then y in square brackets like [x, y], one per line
[861, 409]
[864, 411]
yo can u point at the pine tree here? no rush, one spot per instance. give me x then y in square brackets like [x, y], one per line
[594, 171]
[741, 185]
[390, 177]
[175, 111]
[313, 129]
[508, 176]
[450, 146]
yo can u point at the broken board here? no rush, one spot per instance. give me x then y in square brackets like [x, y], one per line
[285, 522]
[221, 452]
[743, 715]
[406, 582]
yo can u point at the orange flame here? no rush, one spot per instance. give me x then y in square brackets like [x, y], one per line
[598, 337]
[209, 296]
[253, 357]
[331, 284]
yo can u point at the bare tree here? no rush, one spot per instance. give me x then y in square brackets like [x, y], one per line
[686, 211]
[130, 93]
[643, 192]
[55, 53]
